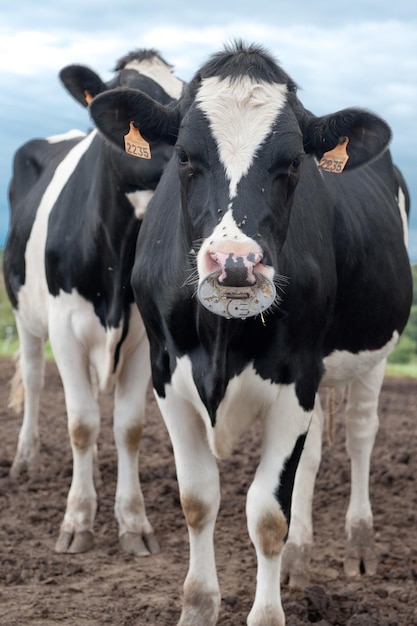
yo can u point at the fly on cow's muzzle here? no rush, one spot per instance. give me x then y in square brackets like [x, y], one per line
[236, 302]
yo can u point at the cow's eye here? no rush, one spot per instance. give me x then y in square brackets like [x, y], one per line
[296, 164]
[182, 157]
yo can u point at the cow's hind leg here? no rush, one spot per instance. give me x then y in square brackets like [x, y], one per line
[361, 428]
[269, 502]
[198, 480]
[297, 552]
[32, 366]
[135, 531]
[76, 532]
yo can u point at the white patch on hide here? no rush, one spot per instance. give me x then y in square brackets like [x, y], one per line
[241, 113]
[33, 295]
[161, 73]
[140, 200]
[228, 237]
[341, 366]
[403, 214]
[71, 134]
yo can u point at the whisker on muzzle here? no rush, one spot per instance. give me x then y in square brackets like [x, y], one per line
[192, 279]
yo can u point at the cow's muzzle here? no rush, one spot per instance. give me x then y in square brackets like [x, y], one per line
[236, 302]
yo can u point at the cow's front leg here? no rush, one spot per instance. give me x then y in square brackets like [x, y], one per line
[198, 480]
[296, 557]
[269, 502]
[135, 531]
[361, 428]
[76, 532]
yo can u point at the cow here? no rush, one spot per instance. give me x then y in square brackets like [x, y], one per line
[76, 209]
[260, 276]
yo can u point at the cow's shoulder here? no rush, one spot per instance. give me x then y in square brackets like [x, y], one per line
[34, 165]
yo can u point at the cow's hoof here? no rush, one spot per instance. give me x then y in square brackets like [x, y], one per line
[354, 567]
[200, 605]
[24, 470]
[135, 543]
[295, 566]
[74, 543]
[360, 556]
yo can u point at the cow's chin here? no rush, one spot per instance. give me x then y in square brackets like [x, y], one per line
[236, 302]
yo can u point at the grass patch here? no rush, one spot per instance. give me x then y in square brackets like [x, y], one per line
[402, 369]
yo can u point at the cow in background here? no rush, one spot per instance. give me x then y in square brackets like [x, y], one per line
[259, 276]
[76, 209]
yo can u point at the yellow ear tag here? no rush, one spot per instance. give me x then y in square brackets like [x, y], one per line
[335, 160]
[88, 97]
[136, 145]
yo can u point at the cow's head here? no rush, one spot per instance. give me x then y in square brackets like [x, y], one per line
[242, 138]
[145, 70]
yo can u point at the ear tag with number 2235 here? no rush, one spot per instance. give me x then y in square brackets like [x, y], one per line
[136, 145]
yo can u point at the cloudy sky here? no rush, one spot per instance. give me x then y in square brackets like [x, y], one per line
[357, 53]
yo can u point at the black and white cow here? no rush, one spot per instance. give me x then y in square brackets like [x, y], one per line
[260, 276]
[76, 208]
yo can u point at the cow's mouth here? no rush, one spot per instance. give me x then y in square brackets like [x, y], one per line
[236, 302]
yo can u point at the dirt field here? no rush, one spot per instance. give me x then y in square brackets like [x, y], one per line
[40, 588]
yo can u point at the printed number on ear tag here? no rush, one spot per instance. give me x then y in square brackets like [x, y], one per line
[136, 145]
[335, 160]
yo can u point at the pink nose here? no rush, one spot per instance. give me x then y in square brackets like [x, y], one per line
[236, 270]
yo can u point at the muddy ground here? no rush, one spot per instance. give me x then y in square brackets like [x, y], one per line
[105, 586]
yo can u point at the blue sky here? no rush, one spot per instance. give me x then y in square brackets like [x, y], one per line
[359, 53]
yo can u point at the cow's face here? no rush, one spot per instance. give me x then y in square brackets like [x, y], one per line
[239, 151]
[241, 137]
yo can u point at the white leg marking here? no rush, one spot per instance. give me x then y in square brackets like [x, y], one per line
[76, 534]
[32, 365]
[361, 428]
[247, 397]
[135, 531]
[297, 551]
[198, 480]
[74, 330]
[267, 525]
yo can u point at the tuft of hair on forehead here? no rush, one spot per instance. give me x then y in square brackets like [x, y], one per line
[141, 54]
[241, 59]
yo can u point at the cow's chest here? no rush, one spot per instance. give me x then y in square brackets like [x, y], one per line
[247, 397]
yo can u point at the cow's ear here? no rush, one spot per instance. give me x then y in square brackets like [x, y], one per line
[364, 136]
[115, 110]
[82, 83]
